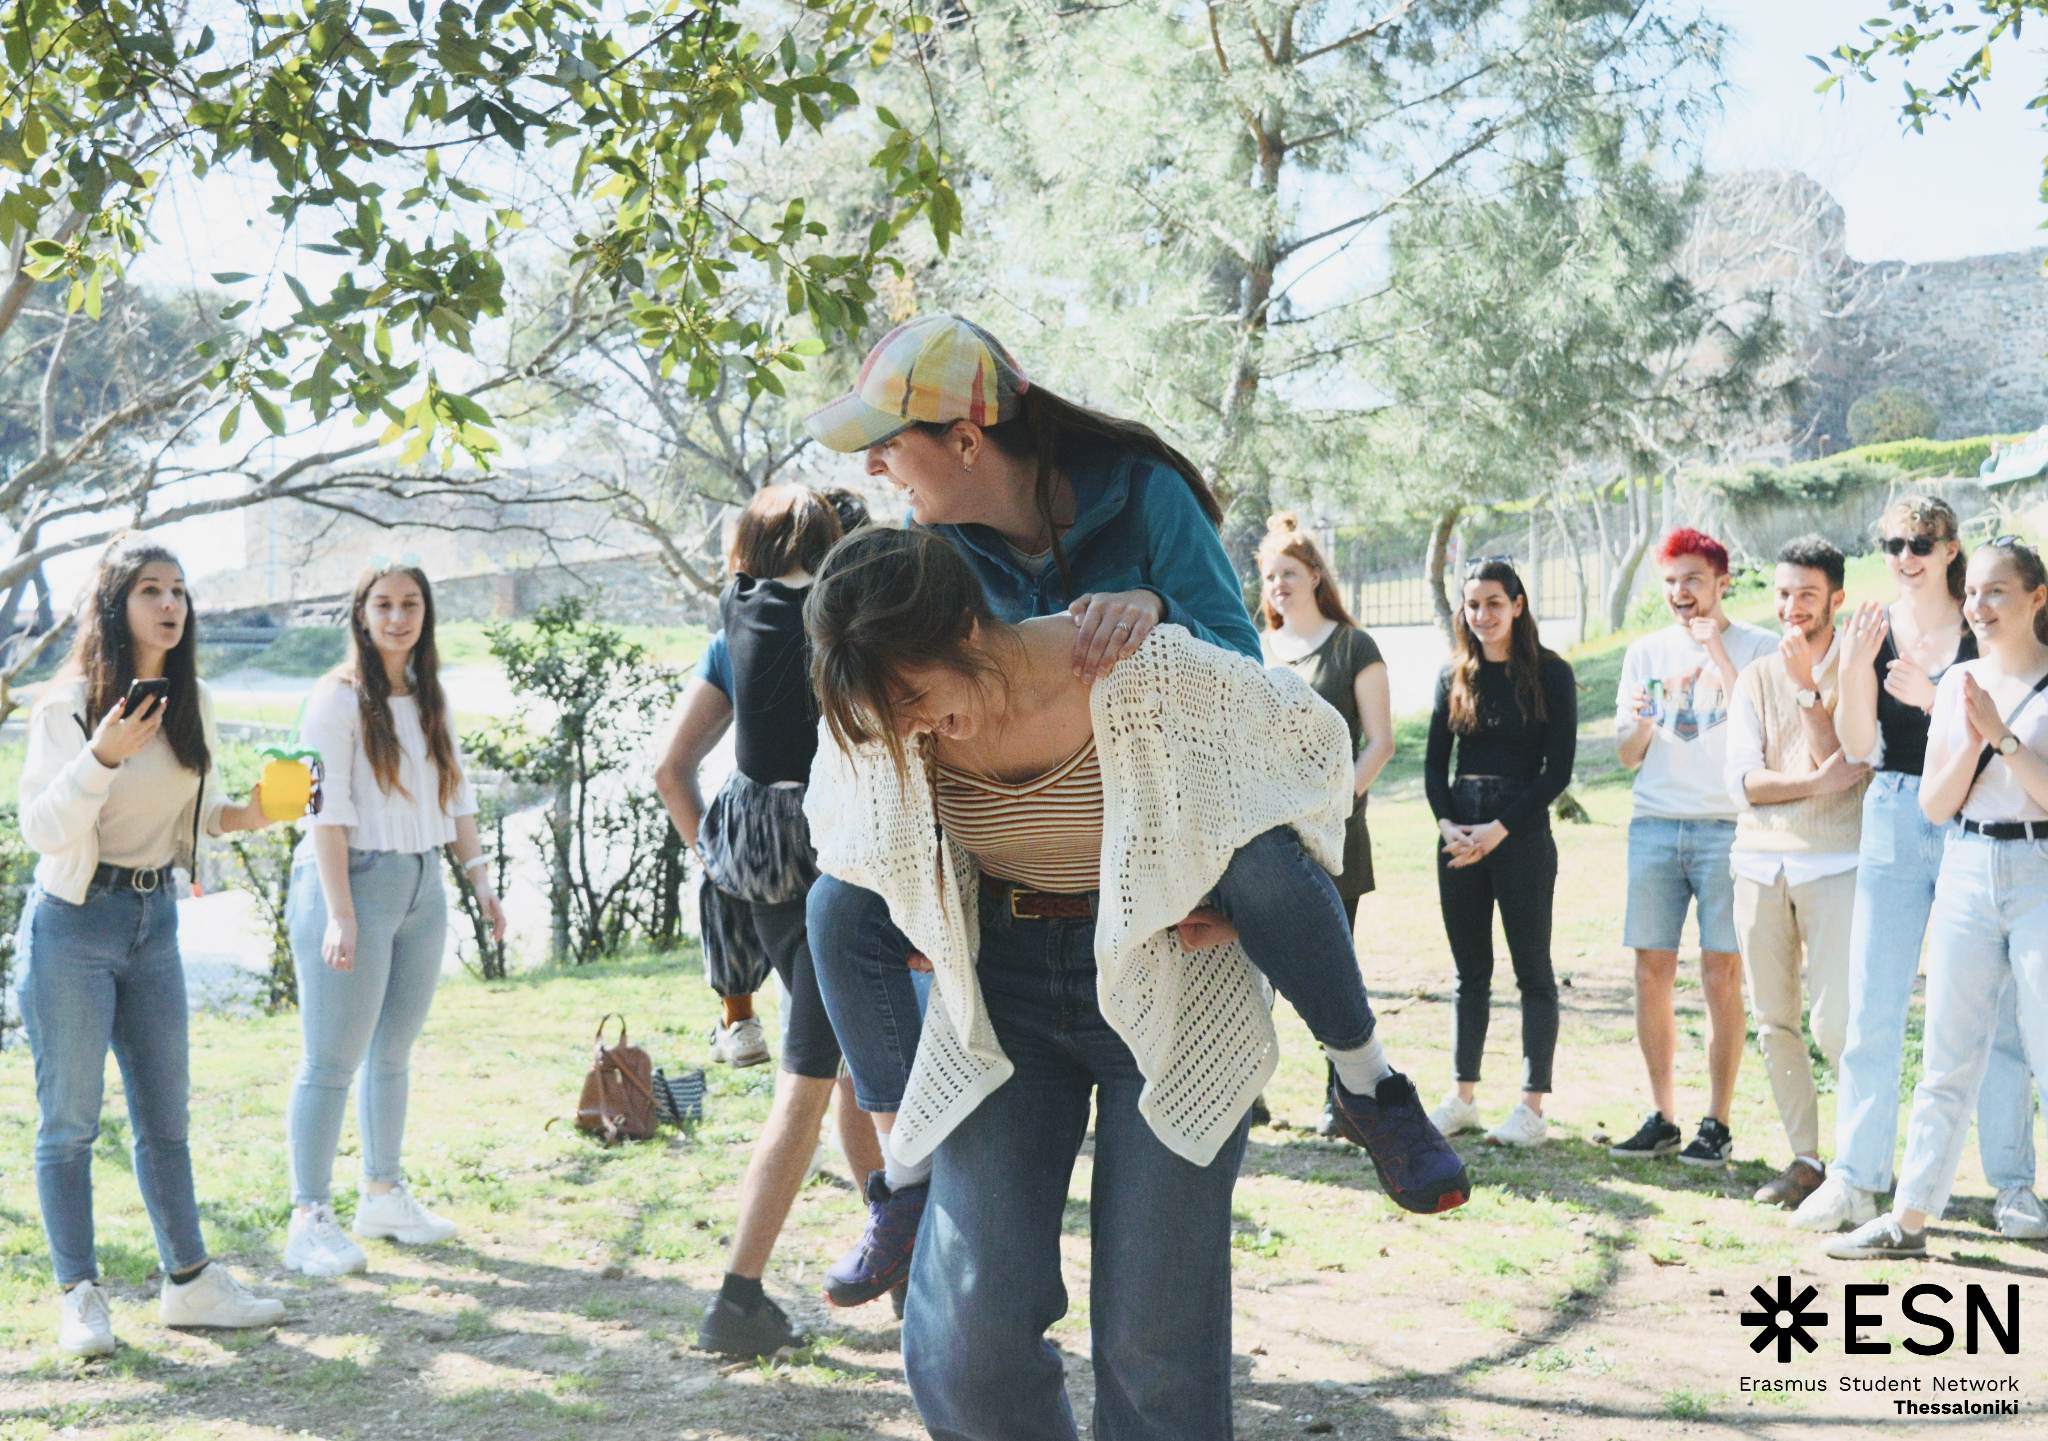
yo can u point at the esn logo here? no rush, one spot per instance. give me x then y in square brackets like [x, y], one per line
[1788, 1318]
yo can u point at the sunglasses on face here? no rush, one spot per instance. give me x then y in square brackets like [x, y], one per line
[1922, 545]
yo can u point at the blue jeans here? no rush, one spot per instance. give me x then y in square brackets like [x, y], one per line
[107, 973]
[1987, 940]
[365, 1018]
[985, 1282]
[1896, 871]
[1286, 909]
[1673, 862]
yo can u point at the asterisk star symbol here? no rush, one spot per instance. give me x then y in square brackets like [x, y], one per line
[1785, 1318]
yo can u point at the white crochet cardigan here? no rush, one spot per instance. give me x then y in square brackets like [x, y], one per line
[1202, 750]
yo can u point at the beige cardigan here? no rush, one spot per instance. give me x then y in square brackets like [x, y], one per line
[1202, 750]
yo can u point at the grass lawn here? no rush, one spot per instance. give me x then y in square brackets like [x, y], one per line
[1574, 1297]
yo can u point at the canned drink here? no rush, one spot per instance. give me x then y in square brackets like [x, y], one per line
[1656, 693]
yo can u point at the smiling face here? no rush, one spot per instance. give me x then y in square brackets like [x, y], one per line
[1996, 601]
[1692, 589]
[934, 473]
[938, 701]
[1806, 601]
[1490, 612]
[1915, 572]
[157, 608]
[394, 613]
[1289, 587]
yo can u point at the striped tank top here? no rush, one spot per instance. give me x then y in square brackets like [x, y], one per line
[1044, 833]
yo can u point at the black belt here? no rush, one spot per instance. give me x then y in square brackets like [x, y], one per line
[2008, 830]
[144, 879]
[1025, 904]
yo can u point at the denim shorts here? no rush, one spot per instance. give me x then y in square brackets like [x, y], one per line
[1670, 862]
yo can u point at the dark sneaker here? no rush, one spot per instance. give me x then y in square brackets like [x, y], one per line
[1790, 1186]
[1415, 1164]
[1329, 1126]
[1713, 1146]
[1261, 1114]
[1655, 1137]
[1879, 1239]
[881, 1261]
[733, 1330]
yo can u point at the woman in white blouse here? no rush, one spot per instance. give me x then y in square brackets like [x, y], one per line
[368, 913]
[1987, 758]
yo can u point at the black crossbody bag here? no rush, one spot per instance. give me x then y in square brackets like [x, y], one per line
[1984, 756]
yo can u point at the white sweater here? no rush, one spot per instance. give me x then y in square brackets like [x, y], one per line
[64, 789]
[1202, 750]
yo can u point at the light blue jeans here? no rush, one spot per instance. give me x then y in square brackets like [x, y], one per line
[106, 973]
[1988, 938]
[1895, 878]
[366, 1018]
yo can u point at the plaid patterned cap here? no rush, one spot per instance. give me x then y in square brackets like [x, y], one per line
[934, 368]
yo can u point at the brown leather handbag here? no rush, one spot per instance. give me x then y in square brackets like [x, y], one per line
[617, 1103]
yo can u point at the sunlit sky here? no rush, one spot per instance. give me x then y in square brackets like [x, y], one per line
[1968, 186]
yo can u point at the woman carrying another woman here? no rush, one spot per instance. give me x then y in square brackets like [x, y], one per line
[117, 784]
[1057, 510]
[1511, 708]
[1987, 758]
[1079, 861]
[1309, 631]
[1895, 658]
[369, 915]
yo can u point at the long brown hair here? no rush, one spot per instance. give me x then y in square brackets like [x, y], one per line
[1284, 536]
[364, 670]
[103, 654]
[1052, 431]
[1935, 518]
[885, 601]
[1525, 653]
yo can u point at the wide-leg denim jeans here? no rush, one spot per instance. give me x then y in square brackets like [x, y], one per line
[985, 1283]
[1896, 870]
[106, 974]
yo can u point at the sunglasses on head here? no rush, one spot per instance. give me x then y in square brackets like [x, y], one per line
[1480, 562]
[1919, 544]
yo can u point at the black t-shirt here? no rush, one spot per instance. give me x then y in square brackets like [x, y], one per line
[1506, 743]
[1903, 726]
[775, 720]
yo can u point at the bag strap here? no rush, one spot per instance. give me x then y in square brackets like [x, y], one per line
[1984, 756]
[610, 1016]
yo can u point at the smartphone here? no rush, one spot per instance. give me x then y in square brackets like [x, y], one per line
[143, 693]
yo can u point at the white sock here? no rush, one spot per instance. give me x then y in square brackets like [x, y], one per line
[897, 1175]
[1361, 1069]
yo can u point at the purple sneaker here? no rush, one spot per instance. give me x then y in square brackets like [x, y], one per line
[1416, 1165]
[881, 1262]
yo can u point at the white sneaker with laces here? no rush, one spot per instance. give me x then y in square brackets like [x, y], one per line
[316, 1245]
[739, 1044]
[1834, 1205]
[84, 1326]
[2020, 1215]
[1453, 1115]
[396, 1216]
[1523, 1127]
[215, 1298]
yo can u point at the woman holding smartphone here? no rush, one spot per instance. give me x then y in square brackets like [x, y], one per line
[116, 786]
[368, 914]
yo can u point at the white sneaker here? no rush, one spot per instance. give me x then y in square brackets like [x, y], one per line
[396, 1216]
[316, 1245]
[2020, 1215]
[84, 1328]
[739, 1044]
[1523, 1127]
[1835, 1205]
[1453, 1115]
[215, 1298]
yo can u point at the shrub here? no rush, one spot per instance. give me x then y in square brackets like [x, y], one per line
[1892, 413]
[1811, 482]
[265, 860]
[17, 863]
[1923, 459]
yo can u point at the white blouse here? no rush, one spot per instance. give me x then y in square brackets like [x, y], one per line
[408, 818]
[1997, 795]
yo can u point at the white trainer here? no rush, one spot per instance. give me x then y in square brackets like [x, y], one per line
[215, 1298]
[1835, 1205]
[84, 1326]
[2020, 1215]
[396, 1216]
[317, 1246]
[1523, 1127]
[739, 1044]
[1453, 1115]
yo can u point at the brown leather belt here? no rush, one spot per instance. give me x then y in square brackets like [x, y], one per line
[1029, 905]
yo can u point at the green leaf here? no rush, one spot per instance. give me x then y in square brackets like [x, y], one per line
[229, 423]
[268, 410]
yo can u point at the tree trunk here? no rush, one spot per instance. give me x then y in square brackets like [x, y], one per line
[1637, 544]
[560, 825]
[1433, 566]
[1571, 545]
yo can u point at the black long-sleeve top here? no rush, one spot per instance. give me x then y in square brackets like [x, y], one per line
[1537, 753]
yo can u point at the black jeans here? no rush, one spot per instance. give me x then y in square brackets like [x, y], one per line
[1520, 877]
